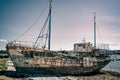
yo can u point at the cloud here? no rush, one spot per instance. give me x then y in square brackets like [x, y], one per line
[3, 40]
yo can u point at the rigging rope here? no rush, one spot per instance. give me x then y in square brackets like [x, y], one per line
[33, 22]
[99, 35]
[42, 31]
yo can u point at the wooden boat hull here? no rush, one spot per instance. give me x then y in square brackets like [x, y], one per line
[38, 65]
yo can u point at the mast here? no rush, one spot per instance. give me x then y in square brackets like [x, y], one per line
[45, 33]
[49, 26]
[95, 30]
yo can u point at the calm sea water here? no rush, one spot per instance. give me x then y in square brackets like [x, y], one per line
[113, 66]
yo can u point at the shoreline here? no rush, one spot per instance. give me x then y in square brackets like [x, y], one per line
[112, 73]
[103, 75]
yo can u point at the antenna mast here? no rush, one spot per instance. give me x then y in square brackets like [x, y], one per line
[95, 30]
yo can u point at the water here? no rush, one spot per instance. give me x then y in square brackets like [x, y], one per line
[113, 66]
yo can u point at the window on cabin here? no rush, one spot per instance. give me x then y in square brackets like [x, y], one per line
[79, 45]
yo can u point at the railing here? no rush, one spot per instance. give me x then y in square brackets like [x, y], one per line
[22, 45]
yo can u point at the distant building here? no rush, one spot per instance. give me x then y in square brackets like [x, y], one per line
[103, 46]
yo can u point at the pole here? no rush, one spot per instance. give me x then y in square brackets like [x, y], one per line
[95, 30]
[49, 31]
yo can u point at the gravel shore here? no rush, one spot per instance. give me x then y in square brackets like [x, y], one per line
[93, 77]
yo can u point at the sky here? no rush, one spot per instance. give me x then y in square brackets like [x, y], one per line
[72, 20]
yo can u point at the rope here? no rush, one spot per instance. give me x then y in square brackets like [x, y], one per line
[99, 35]
[33, 23]
[42, 31]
